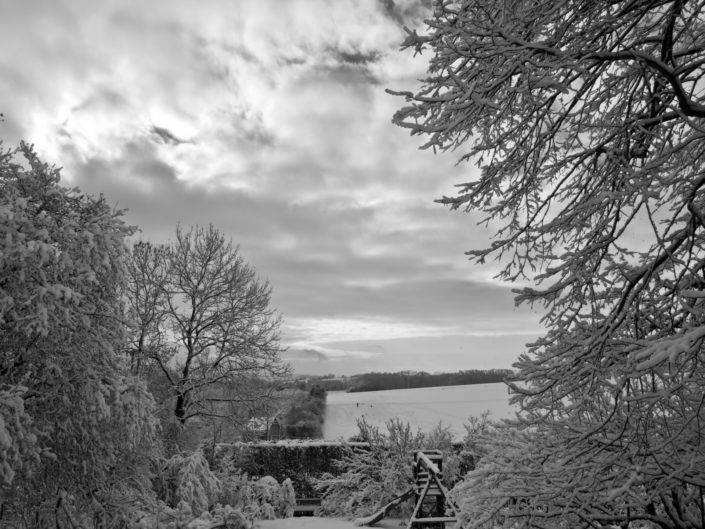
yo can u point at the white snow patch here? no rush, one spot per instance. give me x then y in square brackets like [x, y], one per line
[314, 522]
[359, 522]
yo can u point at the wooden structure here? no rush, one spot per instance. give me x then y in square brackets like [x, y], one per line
[432, 499]
[266, 428]
[306, 506]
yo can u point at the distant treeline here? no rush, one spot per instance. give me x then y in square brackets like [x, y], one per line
[304, 418]
[412, 379]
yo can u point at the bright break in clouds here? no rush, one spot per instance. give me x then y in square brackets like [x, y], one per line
[270, 120]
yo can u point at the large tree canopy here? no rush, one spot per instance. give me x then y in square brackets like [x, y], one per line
[587, 121]
[73, 423]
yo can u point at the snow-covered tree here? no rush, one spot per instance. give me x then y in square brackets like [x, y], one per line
[586, 121]
[74, 426]
[370, 478]
[203, 324]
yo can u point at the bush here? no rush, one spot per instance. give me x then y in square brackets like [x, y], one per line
[369, 479]
[300, 461]
[160, 516]
[191, 493]
[188, 479]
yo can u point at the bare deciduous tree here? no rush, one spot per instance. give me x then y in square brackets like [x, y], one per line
[586, 119]
[203, 321]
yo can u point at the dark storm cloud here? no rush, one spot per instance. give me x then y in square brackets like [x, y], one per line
[356, 57]
[166, 136]
[392, 11]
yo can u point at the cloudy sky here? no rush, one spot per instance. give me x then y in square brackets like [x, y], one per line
[269, 119]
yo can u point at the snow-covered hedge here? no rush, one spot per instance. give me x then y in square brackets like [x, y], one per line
[300, 461]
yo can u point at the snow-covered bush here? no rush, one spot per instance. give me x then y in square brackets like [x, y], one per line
[455, 458]
[160, 516]
[192, 494]
[509, 457]
[371, 477]
[480, 433]
[257, 499]
[188, 479]
[285, 501]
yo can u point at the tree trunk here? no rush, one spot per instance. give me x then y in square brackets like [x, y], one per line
[180, 408]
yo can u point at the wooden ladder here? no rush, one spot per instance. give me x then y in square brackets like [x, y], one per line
[428, 475]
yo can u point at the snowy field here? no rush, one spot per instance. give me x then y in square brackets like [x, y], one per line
[422, 407]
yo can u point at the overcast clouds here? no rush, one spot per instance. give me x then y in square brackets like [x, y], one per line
[269, 119]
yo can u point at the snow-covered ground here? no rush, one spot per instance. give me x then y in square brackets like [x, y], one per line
[422, 407]
[312, 522]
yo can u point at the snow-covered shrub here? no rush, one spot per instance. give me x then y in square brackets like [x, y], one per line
[285, 501]
[188, 479]
[478, 431]
[371, 478]
[460, 458]
[509, 455]
[454, 466]
[266, 491]
[160, 516]
[257, 499]
[260, 499]
[231, 518]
